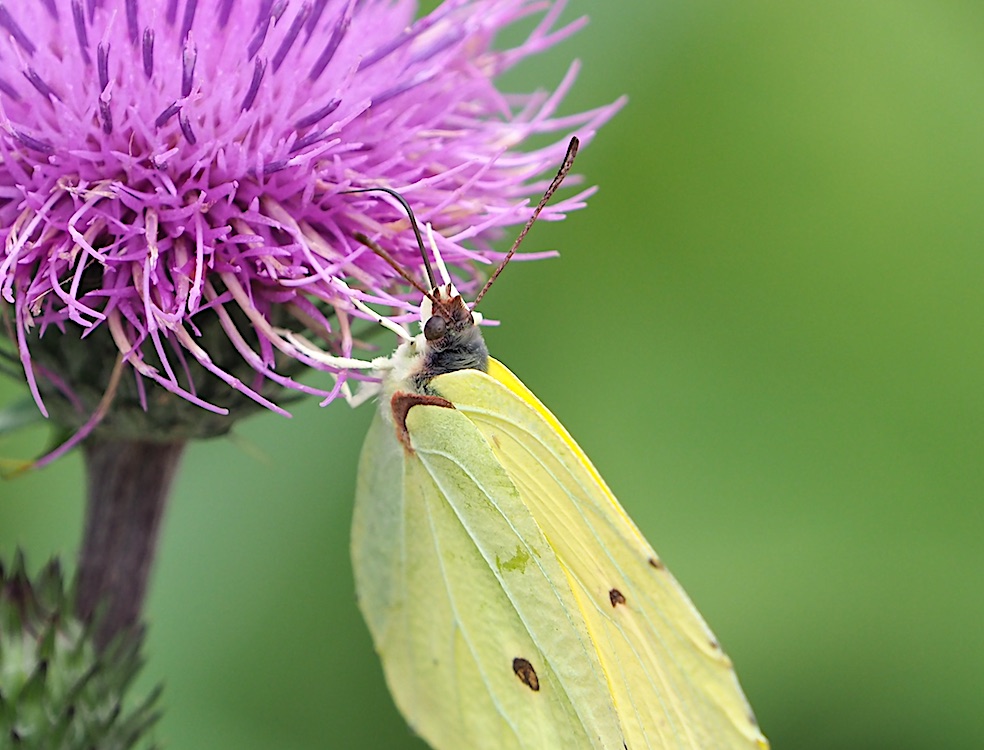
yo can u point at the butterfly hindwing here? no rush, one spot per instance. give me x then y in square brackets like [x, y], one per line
[472, 614]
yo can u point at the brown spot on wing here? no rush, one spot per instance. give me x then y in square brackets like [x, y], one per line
[658, 564]
[402, 402]
[525, 672]
[616, 597]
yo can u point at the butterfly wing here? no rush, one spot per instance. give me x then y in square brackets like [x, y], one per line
[671, 684]
[474, 619]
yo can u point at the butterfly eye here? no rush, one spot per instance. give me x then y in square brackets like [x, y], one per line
[435, 328]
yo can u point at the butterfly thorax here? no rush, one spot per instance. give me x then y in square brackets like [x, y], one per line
[451, 341]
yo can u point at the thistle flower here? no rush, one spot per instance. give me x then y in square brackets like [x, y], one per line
[173, 177]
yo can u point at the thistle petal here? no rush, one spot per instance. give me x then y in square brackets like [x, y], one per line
[172, 183]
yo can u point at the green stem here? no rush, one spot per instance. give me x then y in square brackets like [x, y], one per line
[128, 486]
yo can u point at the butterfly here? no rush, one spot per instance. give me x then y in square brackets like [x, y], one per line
[513, 602]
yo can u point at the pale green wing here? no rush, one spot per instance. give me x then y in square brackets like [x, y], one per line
[457, 582]
[671, 684]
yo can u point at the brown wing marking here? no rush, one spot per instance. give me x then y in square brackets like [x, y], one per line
[525, 672]
[402, 402]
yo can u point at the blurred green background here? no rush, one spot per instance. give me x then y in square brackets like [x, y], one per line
[766, 330]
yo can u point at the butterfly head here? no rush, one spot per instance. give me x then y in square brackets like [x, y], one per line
[443, 311]
[452, 339]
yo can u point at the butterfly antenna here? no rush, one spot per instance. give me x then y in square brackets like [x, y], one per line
[374, 246]
[551, 189]
[416, 233]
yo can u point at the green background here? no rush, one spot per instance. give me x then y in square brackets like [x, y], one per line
[766, 330]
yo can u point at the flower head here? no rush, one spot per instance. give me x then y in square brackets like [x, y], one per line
[59, 689]
[173, 177]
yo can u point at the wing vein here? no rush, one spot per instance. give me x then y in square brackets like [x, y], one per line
[669, 692]
[463, 634]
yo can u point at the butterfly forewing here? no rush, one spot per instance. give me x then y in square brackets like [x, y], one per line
[671, 684]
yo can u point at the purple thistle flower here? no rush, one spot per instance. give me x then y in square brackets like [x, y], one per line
[172, 180]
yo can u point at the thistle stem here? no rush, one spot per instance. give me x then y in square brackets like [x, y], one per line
[128, 485]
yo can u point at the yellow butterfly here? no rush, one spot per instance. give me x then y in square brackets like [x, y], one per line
[512, 600]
